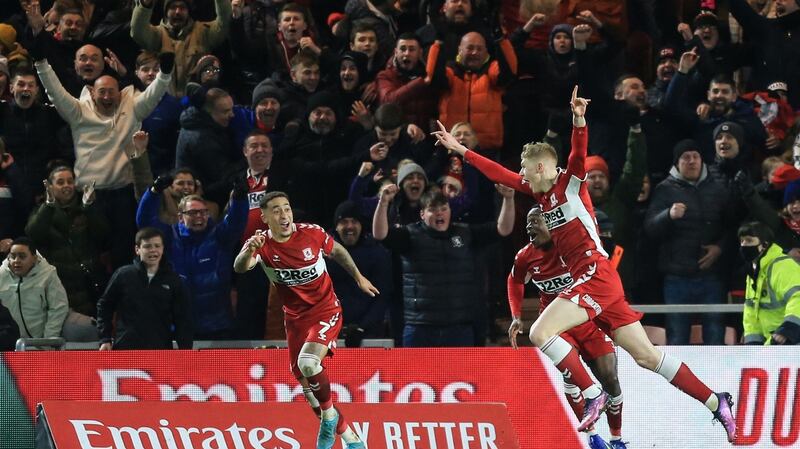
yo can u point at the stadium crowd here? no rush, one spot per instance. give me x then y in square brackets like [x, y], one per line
[138, 137]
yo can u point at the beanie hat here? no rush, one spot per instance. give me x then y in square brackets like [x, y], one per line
[596, 163]
[8, 35]
[706, 18]
[266, 89]
[792, 193]
[682, 147]
[778, 85]
[560, 28]
[347, 209]
[169, 2]
[407, 169]
[731, 128]
[667, 52]
[322, 99]
[783, 175]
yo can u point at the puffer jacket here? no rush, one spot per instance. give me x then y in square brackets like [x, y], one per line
[189, 43]
[204, 260]
[707, 221]
[417, 100]
[37, 301]
[772, 299]
[71, 236]
[475, 97]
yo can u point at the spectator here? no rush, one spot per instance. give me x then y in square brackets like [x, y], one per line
[473, 87]
[179, 33]
[667, 65]
[731, 155]
[102, 127]
[775, 42]
[31, 130]
[688, 214]
[304, 75]
[772, 299]
[14, 53]
[775, 112]
[723, 105]
[456, 20]
[201, 252]
[441, 285]
[321, 150]
[205, 145]
[15, 200]
[364, 40]
[149, 300]
[163, 124]
[206, 72]
[403, 82]
[295, 32]
[70, 231]
[378, 15]
[253, 286]
[353, 89]
[9, 331]
[263, 114]
[180, 183]
[363, 315]
[31, 291]
[785, 224]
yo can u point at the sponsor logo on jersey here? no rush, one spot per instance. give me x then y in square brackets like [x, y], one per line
[555, 284]
[307, 254]
[292, 277]
[555, 217]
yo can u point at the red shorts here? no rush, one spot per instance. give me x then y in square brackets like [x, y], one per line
[599, 290]
[590, 342]
[322, 326]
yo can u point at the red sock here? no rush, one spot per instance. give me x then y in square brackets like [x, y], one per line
[686, 381]
[576, 402]
[568, 362]
[321, 388]
[341, 426]
[614, 416]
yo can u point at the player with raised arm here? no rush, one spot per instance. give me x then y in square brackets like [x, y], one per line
[539, 262]
[292, 256]
[596, 293]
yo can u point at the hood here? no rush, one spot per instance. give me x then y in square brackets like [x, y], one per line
[195, 118]
[560, 28]
[673, 172]
[42, 268]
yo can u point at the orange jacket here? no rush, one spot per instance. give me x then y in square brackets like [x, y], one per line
[476, 97]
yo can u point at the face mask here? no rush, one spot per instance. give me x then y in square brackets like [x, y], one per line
[749, 253]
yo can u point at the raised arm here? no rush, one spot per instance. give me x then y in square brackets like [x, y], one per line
[147, 36]
[246, 259]
[580, 136]
[380, 220]
[146, 102]
[217, 31]
[505, 221]
[66, 105]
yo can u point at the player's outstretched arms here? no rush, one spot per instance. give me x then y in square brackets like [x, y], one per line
[342, 257]
[244, 260]
[578, 106]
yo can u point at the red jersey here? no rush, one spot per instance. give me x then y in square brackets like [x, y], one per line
[257, 189]
[297, 268]
[545, 268]
[567, 206]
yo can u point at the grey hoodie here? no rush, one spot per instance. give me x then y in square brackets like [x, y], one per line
[37, 301]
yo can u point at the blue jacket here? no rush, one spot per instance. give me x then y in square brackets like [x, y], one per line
[204, 260]
[163, 125]
[244, 121]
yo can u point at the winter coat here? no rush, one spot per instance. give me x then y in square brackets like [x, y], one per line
[102, 144]
[189, 43]
[203, 260]
[71, 237]
[706, 222]
[207, 148]
[150, 313]
[9, 331]
[34, 136]
[772, 299]
[762, 211]
[417, 99]
[15, 202]
[37, 301]
[475, 97]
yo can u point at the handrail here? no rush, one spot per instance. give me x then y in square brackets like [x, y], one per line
[55, 342]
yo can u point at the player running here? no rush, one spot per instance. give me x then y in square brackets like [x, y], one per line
[291, 255]
[539, 262]
[596, 293]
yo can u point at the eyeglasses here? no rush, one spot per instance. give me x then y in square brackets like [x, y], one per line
[212, 69]
[196, 212]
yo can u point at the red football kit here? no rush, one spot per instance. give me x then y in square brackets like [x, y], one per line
[569, 215]
[297, 269]
[547, 270]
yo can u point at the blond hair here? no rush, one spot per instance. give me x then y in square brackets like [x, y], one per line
[189, 198]
[459, 125]
[539, 150]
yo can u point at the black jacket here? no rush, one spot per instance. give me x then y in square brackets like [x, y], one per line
[207, 148]
[150, 314]
[441, 283]
[9, 331]
[707, 221]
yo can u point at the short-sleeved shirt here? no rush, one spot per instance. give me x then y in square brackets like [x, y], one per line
[297, 268]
